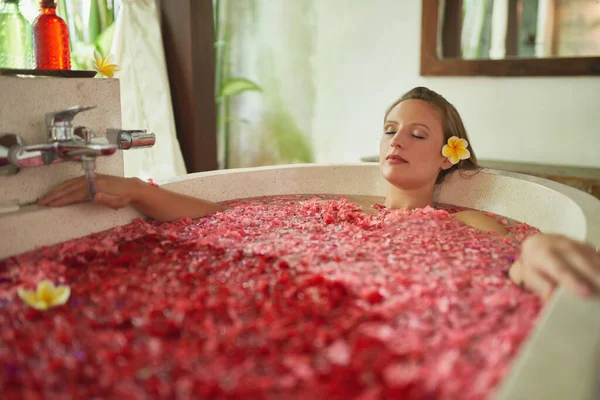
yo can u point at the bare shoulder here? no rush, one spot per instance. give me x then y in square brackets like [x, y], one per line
[479, 220]
[366, 202]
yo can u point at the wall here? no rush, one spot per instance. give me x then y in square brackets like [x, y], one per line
[24, 103]
[367, 55]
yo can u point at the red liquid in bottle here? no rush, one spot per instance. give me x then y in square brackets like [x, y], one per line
[51, 39]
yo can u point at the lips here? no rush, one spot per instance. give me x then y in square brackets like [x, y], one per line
[395, 159]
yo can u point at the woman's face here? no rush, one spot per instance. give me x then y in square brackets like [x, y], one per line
[411, 147]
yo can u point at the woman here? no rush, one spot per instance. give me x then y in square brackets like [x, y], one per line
[423, 140]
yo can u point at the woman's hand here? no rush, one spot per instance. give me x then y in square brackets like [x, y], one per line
[112, 191]
[551, 260]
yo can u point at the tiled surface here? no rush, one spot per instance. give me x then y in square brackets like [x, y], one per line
[24, 103]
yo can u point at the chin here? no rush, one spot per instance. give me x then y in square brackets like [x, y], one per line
[401, 179]
[395, 177]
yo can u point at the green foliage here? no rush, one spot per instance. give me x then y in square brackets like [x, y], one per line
[94, 28]
[235, 86]
[278, 126]
[104, 40]
[99, 33]
[291, 142]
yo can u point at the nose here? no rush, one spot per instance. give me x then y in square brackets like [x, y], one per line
[397, 141]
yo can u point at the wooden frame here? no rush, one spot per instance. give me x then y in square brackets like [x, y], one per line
[187, 29]
[432, 65]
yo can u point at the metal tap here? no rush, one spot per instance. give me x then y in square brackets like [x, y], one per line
[65, 143]
[132, 139]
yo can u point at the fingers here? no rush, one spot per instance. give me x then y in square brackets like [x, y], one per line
[572, 264]
[112, 201]
[586, 262]
[68, 192]
[76, 190]
[539, 283]
[559, 267]
[71, 191]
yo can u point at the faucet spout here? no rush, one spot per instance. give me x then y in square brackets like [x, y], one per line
[68, 143]
[89, 166]
[53, 153]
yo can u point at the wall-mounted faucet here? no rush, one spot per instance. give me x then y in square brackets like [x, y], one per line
[63, 144]
[68, 143]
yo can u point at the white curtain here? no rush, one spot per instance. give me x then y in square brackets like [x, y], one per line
[545, 28]
[145, 93]
[473, 21]
[499, 29]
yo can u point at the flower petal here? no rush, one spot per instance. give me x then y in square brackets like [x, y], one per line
[28, 296]
[45, 290]
[463, 154]
[61, 295]
[452, 141]
[447, 151]
[39, 305]
[98, 58]
[108, 59]
[109, 70]
[454, 159]
[462, 144]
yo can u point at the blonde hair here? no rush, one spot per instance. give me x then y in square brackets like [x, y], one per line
[452, 125]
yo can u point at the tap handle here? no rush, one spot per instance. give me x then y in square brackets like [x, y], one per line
[7, 142]
[60, 123]
[84, 133]
[132, 139]
[65, 116]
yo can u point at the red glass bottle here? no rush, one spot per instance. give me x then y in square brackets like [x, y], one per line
[51, 39]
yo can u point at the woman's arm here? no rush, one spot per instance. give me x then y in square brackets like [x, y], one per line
[117, 192]
[546, 260]
[550, 260]
[163, 205]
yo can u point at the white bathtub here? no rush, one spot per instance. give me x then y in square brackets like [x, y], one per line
[561, 360]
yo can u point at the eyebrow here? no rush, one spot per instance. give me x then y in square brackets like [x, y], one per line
[415, 123]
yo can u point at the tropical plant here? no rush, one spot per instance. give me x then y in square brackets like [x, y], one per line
[281, 138]
[91, 26]
[226, 86]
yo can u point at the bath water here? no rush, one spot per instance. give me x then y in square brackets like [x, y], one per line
[288, 297]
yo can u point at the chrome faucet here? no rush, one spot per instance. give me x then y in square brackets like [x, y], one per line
[68, 143]
[132, 139]
[65, 143]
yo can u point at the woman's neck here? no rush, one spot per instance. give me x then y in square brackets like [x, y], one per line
[398, 198]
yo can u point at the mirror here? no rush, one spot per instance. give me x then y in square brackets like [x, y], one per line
[498, 29]
[510, 37]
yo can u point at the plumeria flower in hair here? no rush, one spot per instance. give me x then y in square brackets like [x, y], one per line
[456, 150]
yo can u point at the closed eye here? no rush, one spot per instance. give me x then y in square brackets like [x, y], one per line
[390, 133]
[418, 137]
